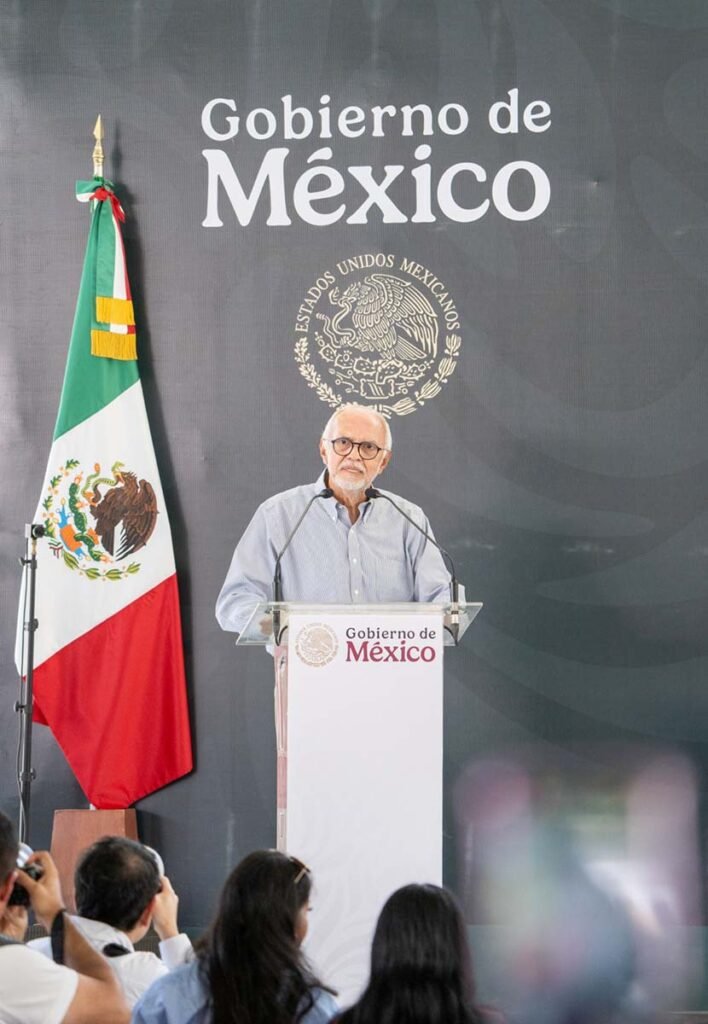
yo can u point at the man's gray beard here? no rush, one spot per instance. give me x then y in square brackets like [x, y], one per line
[351, 485]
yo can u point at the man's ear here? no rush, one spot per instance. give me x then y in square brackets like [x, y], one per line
[146, 916]
[385, 461]
[323, 451]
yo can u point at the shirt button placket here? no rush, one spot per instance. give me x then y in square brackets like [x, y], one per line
[355, 567]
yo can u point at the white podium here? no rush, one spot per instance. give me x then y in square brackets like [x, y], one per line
[359, 731]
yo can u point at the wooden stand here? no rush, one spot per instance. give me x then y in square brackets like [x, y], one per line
[74, 831]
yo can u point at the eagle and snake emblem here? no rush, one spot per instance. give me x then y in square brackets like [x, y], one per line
[316, 644]
[383, 338]
[95, 524]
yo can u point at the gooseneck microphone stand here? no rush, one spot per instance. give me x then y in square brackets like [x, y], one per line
[454, 628]
[24, 706]
[326, 492]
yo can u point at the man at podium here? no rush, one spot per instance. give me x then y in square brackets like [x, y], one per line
[351, 545]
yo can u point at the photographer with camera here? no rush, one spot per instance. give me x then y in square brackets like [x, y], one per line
[79, 987]
[120, 891]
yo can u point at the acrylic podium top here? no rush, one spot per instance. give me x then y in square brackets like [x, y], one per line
[270, 615]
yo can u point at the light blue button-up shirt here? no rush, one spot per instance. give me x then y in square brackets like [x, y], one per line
[181, 998]
[378, 559]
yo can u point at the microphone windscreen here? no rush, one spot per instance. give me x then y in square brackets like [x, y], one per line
[371, 492]
[326, 492]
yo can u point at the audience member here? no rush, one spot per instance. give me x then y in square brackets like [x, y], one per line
[249, 968]
[119, 894]
[421, 969]
[77, 989]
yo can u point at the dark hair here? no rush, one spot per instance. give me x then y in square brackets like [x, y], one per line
[114, 881]
[250, 957]
[420, 963]
[8, 848]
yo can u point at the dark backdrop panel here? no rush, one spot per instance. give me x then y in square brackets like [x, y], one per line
[563, 463]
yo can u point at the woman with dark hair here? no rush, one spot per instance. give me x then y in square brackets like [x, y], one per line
[420, 963]
[249, 968]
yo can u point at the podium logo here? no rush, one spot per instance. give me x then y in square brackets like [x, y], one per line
[380, 330]
[316, 644]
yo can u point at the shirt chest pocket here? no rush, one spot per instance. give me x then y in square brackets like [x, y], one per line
[390, 576]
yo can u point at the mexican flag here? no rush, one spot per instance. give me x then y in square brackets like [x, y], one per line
[109, 668]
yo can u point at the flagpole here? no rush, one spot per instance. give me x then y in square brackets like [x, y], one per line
[97, 157]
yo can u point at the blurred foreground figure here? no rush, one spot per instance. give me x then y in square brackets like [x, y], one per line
[586, 865]
[249, 968]
[421, 971]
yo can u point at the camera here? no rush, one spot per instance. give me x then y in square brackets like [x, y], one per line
[19, 897]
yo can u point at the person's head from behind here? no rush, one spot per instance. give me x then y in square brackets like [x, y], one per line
[420, 962]
[8, 857]
[265, 899]
[252, 956]
[421, 929]
[116, 881]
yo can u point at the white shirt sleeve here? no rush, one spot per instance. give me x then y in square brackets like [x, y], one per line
[33, 989]
[250, 575]
[176, 951]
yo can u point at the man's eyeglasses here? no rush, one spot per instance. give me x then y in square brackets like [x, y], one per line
[302, 869]
[367, 449]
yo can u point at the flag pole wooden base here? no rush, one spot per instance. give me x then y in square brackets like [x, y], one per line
[74, 831]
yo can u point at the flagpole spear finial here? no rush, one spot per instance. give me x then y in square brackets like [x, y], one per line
[98, 149]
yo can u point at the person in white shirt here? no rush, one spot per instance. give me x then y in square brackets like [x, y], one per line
[79, 987]
[119, 893]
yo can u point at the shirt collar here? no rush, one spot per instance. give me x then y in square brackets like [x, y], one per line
[103, 933]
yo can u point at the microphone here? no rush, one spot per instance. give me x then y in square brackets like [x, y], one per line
[371, 492]
[326, 492]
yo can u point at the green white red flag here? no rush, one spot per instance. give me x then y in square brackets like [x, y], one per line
[109, 668]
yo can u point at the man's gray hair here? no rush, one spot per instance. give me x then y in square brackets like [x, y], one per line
[355, 407]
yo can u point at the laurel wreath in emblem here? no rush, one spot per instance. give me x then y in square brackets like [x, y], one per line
[378, 339]
[94, 523]
[403, 406]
